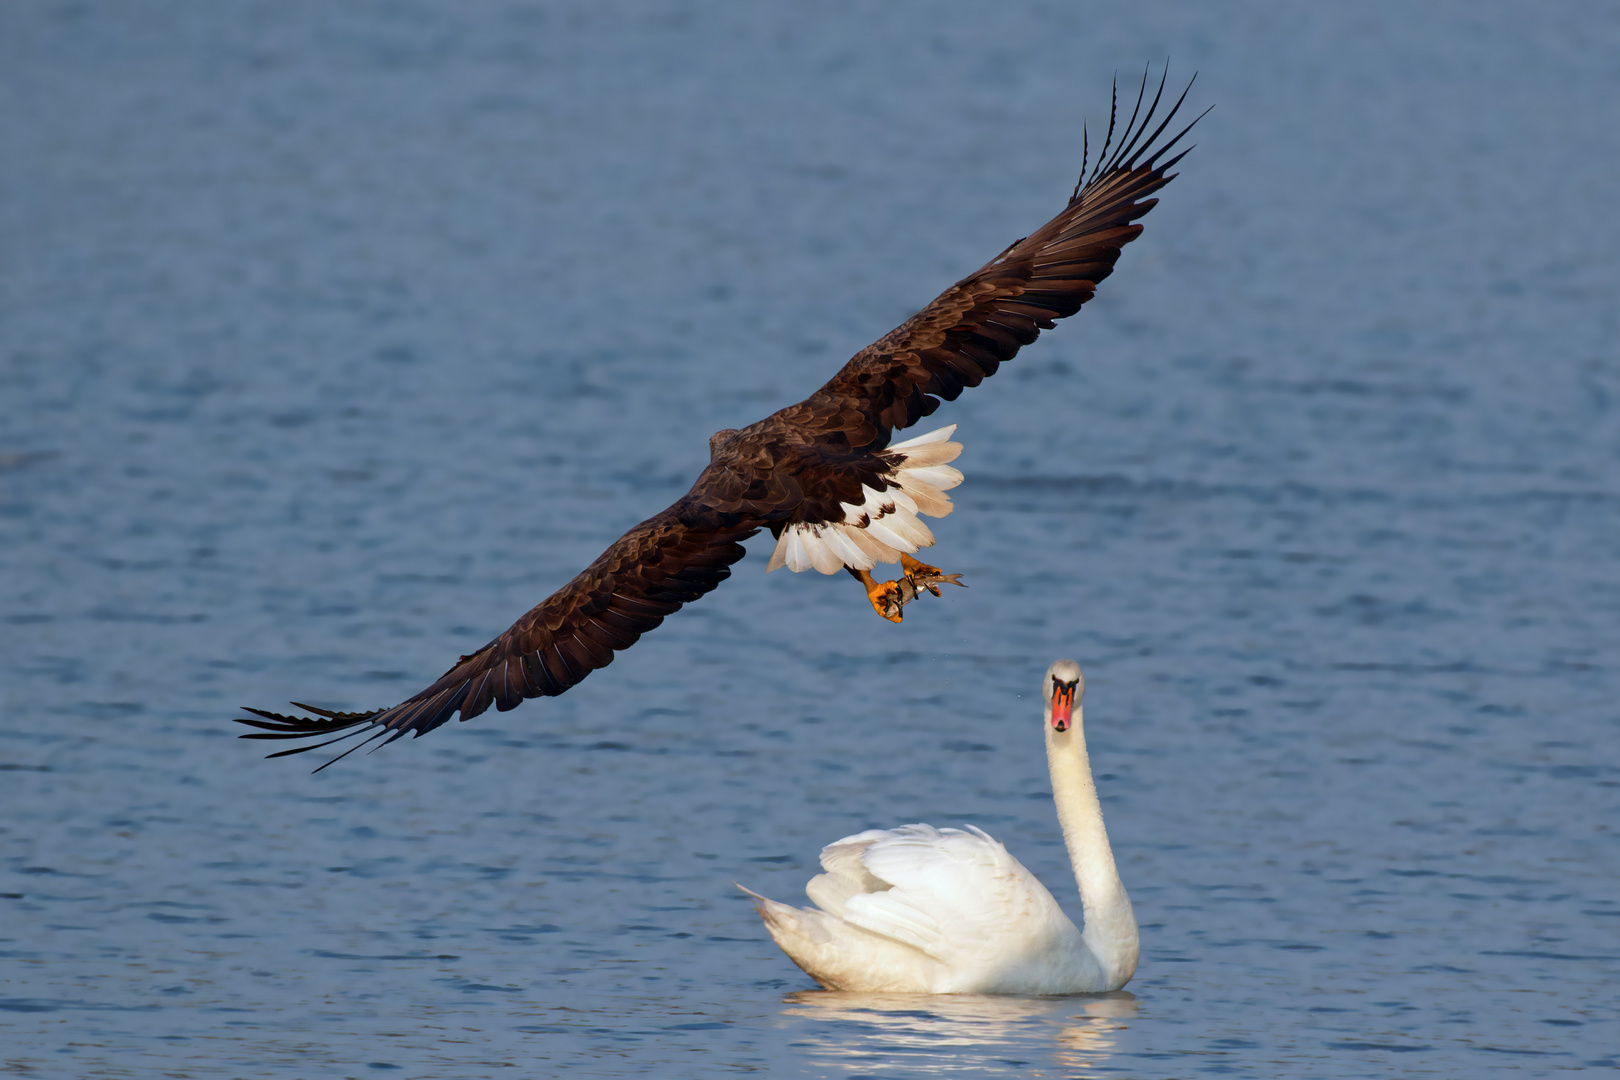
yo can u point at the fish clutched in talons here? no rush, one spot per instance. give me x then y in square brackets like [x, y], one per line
[919, 575]
[888, 597]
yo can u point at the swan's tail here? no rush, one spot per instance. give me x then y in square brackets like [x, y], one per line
[786, 922]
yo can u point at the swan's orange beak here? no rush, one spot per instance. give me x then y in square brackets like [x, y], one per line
[1062, 705]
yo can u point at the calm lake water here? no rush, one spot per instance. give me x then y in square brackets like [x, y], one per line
[333, 339]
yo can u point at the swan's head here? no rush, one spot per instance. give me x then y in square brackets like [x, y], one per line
[1065, 686]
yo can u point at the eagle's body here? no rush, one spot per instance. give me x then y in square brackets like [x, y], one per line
[822, 474]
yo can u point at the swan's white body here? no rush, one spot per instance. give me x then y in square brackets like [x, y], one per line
[943, 911]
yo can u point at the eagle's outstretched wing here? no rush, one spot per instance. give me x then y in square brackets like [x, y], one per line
[666, 561]
[985, 318]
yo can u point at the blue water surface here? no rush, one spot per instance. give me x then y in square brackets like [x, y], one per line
[332, 337]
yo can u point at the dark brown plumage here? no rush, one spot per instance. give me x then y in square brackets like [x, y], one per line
[800, 465]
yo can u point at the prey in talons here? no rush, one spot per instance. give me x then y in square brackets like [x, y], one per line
[888, 597]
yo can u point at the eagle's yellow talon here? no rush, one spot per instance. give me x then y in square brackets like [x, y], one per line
[916, 568]
[886, 600]
[884, 595]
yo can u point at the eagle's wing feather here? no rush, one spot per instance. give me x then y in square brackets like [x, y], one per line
[666, 561]
[984, 319]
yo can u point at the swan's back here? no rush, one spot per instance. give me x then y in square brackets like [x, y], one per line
[919, 909]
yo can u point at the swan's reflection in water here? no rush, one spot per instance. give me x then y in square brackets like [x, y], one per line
[946, 1034]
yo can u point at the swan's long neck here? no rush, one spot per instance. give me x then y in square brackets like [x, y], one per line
[1110, 925]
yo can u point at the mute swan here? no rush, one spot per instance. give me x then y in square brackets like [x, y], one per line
[941, 911]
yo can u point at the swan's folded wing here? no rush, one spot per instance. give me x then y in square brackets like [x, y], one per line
[957, 896]
[845, 873]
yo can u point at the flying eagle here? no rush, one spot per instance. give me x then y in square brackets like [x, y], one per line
[821, 475]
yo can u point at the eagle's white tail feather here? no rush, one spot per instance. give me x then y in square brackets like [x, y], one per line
[929, 499]
[886, 522]
[937, 435]
[879, 552]
[876, 504]
[823, 556]
[798, 559]
[912, 527]
[778, 553]
[901, 530]
[900, 500]
[838, 539]
[943, 477]
[932, 454]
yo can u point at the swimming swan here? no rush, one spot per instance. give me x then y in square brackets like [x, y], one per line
[942, 911]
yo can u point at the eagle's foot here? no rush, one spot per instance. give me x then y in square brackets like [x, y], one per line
[884, 595]
[889, 597]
